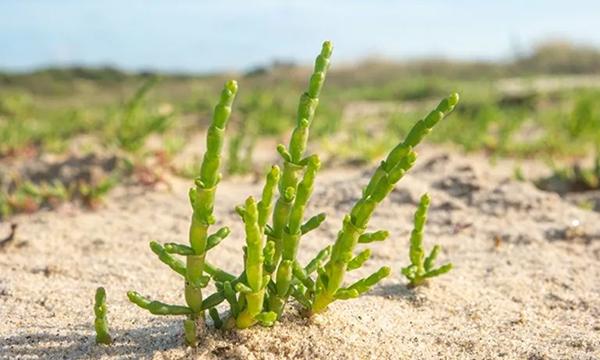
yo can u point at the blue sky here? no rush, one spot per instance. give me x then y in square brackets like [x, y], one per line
[203, 36]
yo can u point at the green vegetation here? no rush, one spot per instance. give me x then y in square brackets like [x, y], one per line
[422, 268]
[390, 171]
[241, 148]
[33, 124]
[285, 232]
[202, 198]
[540, 105]
[272, 272]
[507, 103]
[134, 122]
[581, 125]
[27, 197]
[573, 179]
[100, 323]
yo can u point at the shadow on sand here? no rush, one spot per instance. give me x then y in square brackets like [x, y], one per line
[137, 343]
[399, 291]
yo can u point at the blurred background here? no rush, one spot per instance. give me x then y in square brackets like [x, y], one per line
[98, 93]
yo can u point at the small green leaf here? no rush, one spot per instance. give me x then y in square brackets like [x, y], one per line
[359, 260]
[266, 318]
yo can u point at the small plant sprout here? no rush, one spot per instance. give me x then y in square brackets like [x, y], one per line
[100, 323]
[421, 267]
[252, 290]
[275, 225]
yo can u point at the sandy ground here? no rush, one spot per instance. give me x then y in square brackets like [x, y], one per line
[526, 283]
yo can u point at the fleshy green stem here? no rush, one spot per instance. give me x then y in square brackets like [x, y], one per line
[202, 198]
[297, 146]
[254, 289]
[255, 283]
[190, 329]
[292, 235]
[421, 267]
[157, 307]
[390, 171]
[101, 324]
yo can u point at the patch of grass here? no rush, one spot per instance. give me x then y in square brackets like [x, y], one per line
[92, 194]
[44, 111]
[23, 125]
[572, 179]
[28, 197]
[135, 122]
[358, 144]
[241, 146]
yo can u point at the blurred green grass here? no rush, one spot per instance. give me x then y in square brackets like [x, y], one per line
[543, 105]
[47, 108]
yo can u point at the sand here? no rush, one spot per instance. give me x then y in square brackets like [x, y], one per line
[526, 283]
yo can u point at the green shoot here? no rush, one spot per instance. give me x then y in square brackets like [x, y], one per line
[289, 209]
[329, 284]
[202, 198]
[252, 290]
[421, 267]
[100, 323]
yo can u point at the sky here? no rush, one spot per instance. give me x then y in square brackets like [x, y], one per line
[202, 36]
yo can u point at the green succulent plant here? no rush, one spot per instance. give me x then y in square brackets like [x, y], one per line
[100, 323]
[275, 225]
[202, 197]
[422, 268]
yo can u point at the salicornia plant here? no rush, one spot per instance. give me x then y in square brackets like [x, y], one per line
[249, 306]
[329, 283]
[421, 267]
[202, 198]
[275, 225]
[100, 323]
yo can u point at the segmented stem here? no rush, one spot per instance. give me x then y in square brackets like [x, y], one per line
[421, 268]
[253, 283]
[293, 155]
[100, 323]
[292, 235]
[254, 288]
[202, 199]
[389, 172]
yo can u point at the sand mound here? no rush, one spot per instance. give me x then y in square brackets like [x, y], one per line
[526, 282]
